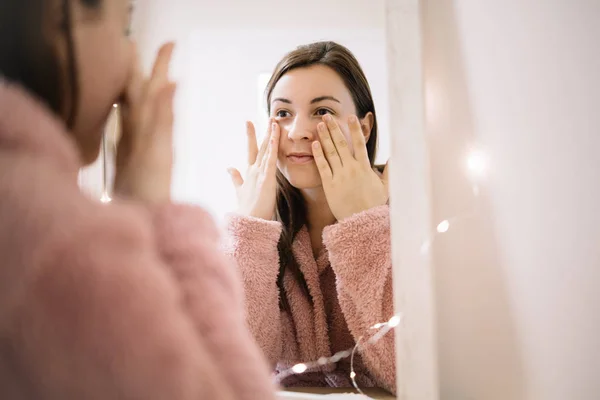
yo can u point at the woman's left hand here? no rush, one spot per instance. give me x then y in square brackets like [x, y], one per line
[350, 183]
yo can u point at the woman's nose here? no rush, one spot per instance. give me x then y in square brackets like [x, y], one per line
[303, 129]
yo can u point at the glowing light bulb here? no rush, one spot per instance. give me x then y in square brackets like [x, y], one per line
[443, 226]
[425, 247]
[105, 198]
[377, 326]
[352, 375]
[394, 321]
[300, 368]
[477, 164]
[115, 105]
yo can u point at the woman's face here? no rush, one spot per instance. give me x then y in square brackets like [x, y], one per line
[299, 101]
[104, 56]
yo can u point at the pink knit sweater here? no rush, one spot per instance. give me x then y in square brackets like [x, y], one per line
[350, 283]
[109, 302]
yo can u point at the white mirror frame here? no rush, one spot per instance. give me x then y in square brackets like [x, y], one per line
[416, 360]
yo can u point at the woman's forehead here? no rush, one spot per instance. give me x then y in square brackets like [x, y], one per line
[303, 85]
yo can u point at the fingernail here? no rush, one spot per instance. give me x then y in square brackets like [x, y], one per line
[321, 126]
[353, 119]
[327, 117]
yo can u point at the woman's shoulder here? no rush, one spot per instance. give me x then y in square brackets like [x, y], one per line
[29, 128]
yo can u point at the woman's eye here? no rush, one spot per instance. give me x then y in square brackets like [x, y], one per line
[282, 114]
[323, 111]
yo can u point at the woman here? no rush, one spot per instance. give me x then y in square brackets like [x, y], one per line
[120, 301]
[312, 233]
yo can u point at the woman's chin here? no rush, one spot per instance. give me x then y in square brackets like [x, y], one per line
[304, 182]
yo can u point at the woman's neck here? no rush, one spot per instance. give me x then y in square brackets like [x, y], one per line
[318, 216]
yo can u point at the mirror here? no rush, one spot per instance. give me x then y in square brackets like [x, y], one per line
[223, 76]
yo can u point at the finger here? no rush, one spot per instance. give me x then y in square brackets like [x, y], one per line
[272, 132]
[163, 61]
[264, 146]
[236, 177]
[338, 138]
[270, 164]
[252, 144]
[160, 71]
[328, 147]
[164, 116]
[358, 141]
[321, 161]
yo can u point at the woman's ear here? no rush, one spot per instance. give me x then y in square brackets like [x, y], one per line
[366, 125]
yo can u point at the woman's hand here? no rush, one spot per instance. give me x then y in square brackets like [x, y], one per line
[257, 193]
[145, 151]
[351, 185]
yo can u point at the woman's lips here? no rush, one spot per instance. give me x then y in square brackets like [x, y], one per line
[300, 158]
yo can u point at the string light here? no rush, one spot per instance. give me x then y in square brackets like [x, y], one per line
[105, 198]
[477, 164]
[381, 329]
[299, 368]
[443, 226]
[394, 321]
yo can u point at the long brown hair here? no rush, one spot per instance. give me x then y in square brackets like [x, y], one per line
[27, 56]
[291, 207]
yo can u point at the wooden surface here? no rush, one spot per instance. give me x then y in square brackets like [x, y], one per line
[378, 394]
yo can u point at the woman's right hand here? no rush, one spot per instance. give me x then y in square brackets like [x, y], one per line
[257, 193]
[145, 151]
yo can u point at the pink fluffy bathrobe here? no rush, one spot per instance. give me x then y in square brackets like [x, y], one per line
[350, 284]
[109, 302]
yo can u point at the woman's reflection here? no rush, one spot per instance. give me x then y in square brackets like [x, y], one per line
[312, 232]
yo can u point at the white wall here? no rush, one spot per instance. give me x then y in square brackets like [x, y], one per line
[222, 48]
[517, 286]
[159, 20]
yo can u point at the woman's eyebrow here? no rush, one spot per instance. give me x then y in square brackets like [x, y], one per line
[313, 101]
[323, 98]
